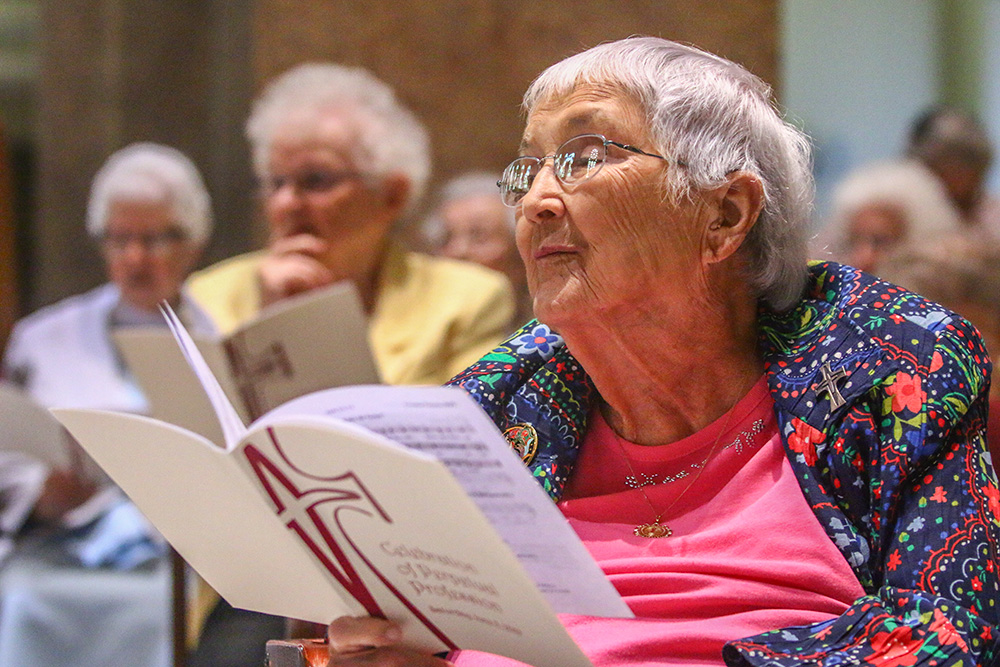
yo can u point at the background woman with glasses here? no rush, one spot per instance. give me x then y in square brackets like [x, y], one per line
[775, 462]
[342, 165]
[88, 582]
[151, 215]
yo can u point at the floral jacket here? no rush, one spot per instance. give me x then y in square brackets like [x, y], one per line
[881, 400]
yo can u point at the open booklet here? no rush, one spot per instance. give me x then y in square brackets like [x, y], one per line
[402, 502]
[302, 344]
[28, 428]
[30, 436]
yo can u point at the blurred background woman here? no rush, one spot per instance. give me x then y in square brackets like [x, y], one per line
[468, 222]
[881, 207]
[88, 565]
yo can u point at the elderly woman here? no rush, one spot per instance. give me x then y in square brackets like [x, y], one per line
[150, 214]
[774, 463]
[88, 565]
[342, 163]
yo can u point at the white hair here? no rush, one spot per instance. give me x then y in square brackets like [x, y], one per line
[712, 117]
[906, 186]
[389, 139]
[153, 173]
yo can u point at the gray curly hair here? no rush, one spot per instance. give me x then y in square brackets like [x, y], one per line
[149, 172]
[714, 117]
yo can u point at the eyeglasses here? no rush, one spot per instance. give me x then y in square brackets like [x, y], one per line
[313, 180]
[155, 244]
[576, 160]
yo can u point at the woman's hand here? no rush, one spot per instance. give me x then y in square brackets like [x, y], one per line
[292, 266]
[63, 490]
[373, 641]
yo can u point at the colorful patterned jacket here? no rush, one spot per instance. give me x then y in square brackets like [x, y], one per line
[889, 453]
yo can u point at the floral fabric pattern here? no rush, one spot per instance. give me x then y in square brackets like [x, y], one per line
[898, 474]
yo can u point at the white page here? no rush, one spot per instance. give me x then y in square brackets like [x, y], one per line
[269, 545]
[232, 426]
[25, 426]
[169, 383]
[424, 550]
[448, 424]
[305, 343]
[198, 498]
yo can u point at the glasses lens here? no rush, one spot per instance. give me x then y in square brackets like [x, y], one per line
[313, 180]
[517, 179]
[154, 244]
[580, 158]
[321, 181]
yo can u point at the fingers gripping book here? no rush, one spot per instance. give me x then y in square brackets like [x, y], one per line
[399, 502]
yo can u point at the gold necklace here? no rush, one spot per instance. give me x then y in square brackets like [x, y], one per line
[745, 438]
[656, 529]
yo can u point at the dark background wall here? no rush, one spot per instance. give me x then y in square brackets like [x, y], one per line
[183, 72]
[117, 71]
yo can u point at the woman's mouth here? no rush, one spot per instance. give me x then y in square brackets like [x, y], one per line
[554, 250]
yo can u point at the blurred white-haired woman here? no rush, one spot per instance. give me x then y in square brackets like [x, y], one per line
[88, 581]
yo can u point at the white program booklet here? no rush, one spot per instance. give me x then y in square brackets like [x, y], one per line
[402, 502]
[306, 343]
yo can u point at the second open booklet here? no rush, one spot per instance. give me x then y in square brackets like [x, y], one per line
[403, 502]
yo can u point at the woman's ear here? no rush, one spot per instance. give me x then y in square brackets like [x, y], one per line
[191, 254]
[395, 193]
[738, 203]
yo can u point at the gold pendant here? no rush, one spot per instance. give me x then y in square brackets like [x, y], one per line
[652, 530]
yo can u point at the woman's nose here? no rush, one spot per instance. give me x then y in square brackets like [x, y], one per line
[284, 199]
[543, 199]
[284, 193]
[136, 250]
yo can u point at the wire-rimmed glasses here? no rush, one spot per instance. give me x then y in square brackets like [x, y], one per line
[576, 160]
[154, 243]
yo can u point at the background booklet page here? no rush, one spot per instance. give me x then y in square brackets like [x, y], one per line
[404, 502]
[302, 344]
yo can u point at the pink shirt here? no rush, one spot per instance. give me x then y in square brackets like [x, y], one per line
[746, 555]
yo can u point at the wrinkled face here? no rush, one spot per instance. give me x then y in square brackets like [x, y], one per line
[611, 244]
[314, 188]
[873, 232]
[145, 252]
[477, 230]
